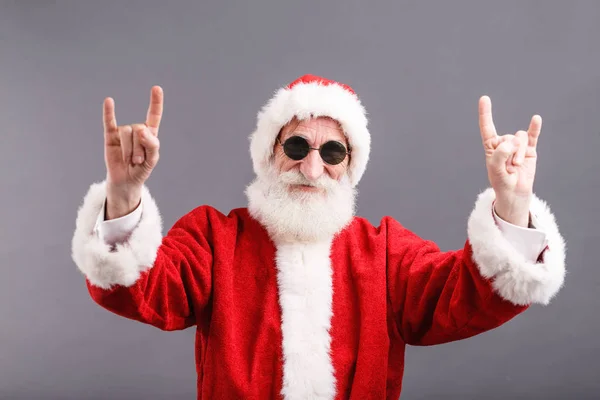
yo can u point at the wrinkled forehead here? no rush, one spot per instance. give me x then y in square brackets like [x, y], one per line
[325, 126]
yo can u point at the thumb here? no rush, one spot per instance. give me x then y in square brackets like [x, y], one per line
[151, 146]
[501, 155]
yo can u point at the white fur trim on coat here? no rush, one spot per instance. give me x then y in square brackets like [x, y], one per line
[103, 265]
[305, 100]
[514, 278]
[304, 279]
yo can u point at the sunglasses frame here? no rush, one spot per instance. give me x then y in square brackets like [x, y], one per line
[347, 150]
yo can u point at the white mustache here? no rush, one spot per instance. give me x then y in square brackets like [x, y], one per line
[296, 178]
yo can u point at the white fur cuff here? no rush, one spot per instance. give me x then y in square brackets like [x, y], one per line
[105, 266]
[514, 278]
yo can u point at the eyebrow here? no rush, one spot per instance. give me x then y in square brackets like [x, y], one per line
[300, 132]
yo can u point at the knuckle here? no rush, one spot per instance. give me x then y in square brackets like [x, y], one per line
[125, 129]
[153, 144]
[136, 128]
[504, 149]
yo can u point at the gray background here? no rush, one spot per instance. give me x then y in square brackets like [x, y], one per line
[419, 68]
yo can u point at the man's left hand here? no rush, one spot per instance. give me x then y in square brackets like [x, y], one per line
[510, 162]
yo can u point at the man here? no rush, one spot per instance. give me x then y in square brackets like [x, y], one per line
[294, 297]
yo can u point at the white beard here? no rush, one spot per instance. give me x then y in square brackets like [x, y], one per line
[296, 216]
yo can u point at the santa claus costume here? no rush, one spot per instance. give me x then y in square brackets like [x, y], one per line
[291, 302]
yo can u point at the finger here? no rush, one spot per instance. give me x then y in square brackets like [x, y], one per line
[520, 142]
[138, 154]
[155, 109]
[505, 138]
[108, 111]
[535, 128]
[502, 139]
[486, 123]
[509, 160]
[151, 146]
[502, 155]
[125, 134]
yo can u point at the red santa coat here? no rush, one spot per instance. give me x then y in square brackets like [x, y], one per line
[311, 321]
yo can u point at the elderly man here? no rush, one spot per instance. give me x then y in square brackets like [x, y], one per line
[295, 297]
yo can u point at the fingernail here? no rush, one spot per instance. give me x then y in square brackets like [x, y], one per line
[137, 160]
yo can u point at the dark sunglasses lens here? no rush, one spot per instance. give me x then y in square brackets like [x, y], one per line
[296, 148]
[333, 152]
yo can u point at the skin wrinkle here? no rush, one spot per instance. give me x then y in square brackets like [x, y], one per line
[316, 131]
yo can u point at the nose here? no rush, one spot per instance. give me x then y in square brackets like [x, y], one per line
[312, 165]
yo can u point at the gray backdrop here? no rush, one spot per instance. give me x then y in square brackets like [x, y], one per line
[419, 68]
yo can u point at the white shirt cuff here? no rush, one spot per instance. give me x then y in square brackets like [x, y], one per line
[117, 230]
[529, 242]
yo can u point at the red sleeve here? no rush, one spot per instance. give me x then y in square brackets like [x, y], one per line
[438, 297]
[162, 281]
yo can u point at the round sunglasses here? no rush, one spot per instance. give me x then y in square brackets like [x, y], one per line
[332, 152]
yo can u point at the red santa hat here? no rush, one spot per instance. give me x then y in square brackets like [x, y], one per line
[306, 97]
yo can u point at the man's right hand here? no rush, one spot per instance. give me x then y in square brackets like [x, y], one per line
[130, 153]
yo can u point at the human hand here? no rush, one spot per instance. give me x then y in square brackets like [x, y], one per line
[130, 152]
[511, 164]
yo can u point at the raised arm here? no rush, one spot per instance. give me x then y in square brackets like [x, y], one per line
[440, 296]
[162, 281]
